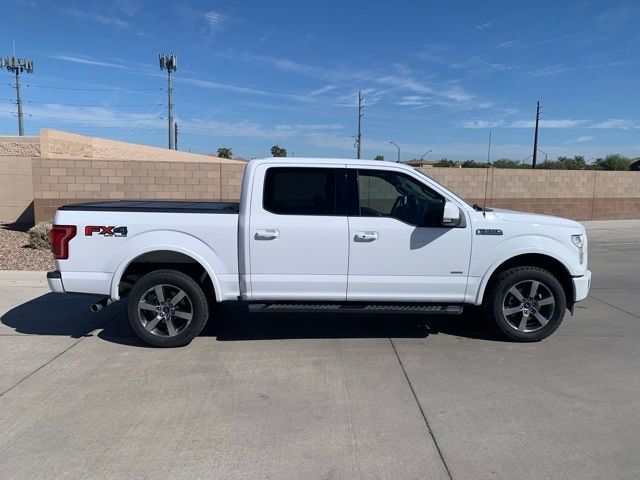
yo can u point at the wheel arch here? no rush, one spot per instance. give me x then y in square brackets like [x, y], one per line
[147, 259]
[540, 260]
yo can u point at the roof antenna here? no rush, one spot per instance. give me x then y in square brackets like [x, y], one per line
[486, 184]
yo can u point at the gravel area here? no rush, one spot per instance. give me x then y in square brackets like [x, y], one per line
[15, 253]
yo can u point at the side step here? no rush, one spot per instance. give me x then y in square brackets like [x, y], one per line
[422, 309]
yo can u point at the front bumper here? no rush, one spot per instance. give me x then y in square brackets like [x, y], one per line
[54, 279]
[581, 286]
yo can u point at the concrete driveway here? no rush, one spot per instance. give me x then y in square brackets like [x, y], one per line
[316, 397]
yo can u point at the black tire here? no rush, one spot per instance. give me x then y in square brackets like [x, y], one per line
[169, 329]
[504, 294]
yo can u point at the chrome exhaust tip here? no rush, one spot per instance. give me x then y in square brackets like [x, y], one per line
[96, 307]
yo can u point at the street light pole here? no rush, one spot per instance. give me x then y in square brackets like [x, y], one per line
[398, 147]
[545, 154]
[425, 153]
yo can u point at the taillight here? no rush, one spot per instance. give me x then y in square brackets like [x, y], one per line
[60, 237]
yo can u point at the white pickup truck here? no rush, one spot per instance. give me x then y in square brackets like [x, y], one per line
[322, 234]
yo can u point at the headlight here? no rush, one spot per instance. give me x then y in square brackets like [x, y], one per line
[578, 241]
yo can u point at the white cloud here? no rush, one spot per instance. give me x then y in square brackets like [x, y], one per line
[483, 26]
[215, 20]
[565, 123]
[412, 100]
[479, 64]
[482, 124]
[87, 60]
[402, 79]
[509, 43]
[456, 93]
[615, 123]
[100, 17]
[584, 139]
[322, 90]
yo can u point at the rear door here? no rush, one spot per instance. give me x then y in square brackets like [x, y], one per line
[399, 249]
[298, 245]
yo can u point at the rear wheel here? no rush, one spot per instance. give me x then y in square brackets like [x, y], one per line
[167, 308]
[525, 304]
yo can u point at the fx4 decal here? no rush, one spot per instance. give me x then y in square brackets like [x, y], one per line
[107, 231]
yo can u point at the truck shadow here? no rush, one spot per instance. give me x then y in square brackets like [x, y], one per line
[69, 315]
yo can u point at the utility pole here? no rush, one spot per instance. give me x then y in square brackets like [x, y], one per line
[17, 66]
[360, 115]
[170, 64]
[535, 137]
[176, 136]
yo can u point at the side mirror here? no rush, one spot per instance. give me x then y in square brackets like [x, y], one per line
[451, 215]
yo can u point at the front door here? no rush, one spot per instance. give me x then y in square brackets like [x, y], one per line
[298, 243]
[399, 250]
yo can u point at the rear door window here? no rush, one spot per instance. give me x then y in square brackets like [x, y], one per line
[301, 191]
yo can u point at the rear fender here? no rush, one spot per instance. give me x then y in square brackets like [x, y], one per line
[168, 240]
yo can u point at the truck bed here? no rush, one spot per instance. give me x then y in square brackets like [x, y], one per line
[155, 206]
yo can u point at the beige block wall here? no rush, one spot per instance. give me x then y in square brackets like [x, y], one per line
[16, 190]
[61, 181]
[59, 144]
[582, 195]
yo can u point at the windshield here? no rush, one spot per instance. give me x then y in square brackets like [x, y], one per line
[437, 182]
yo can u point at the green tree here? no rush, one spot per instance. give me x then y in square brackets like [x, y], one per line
[445, 163]
[565, 163]
[379, 157]
[507, 163]
[612, 162]
[277, 151]
[474, 164]
[225, 152]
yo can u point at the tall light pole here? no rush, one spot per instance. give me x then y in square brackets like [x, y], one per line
[170, 64]
[545, 154]
[394, 143]
[425, 154]
[360, 115]
[17, 66]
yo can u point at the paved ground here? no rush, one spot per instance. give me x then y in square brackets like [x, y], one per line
[319, 397]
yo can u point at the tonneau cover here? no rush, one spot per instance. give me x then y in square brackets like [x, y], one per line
[155, 206]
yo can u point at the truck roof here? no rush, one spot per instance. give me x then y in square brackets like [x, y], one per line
[329, 161]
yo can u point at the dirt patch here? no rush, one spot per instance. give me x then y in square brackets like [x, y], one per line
[15, 253]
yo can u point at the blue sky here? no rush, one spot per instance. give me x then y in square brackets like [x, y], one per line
[435, 75]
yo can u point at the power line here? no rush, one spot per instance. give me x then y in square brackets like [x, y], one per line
[85, 104]
[140, 124]
[94, 89]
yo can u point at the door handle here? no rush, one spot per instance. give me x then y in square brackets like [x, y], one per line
[366, 236]
[268, 234]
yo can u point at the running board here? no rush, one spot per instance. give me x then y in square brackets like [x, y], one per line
[422, 309]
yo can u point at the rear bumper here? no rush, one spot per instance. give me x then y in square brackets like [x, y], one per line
[581, 286]
[54, 279]
[98, 283]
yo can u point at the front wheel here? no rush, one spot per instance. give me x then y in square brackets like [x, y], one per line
[167, 308]
[525, 304]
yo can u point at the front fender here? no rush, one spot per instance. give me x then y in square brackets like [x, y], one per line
[169, 240]
[514, 247]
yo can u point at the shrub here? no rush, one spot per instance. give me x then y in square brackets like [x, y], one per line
[39, 236]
